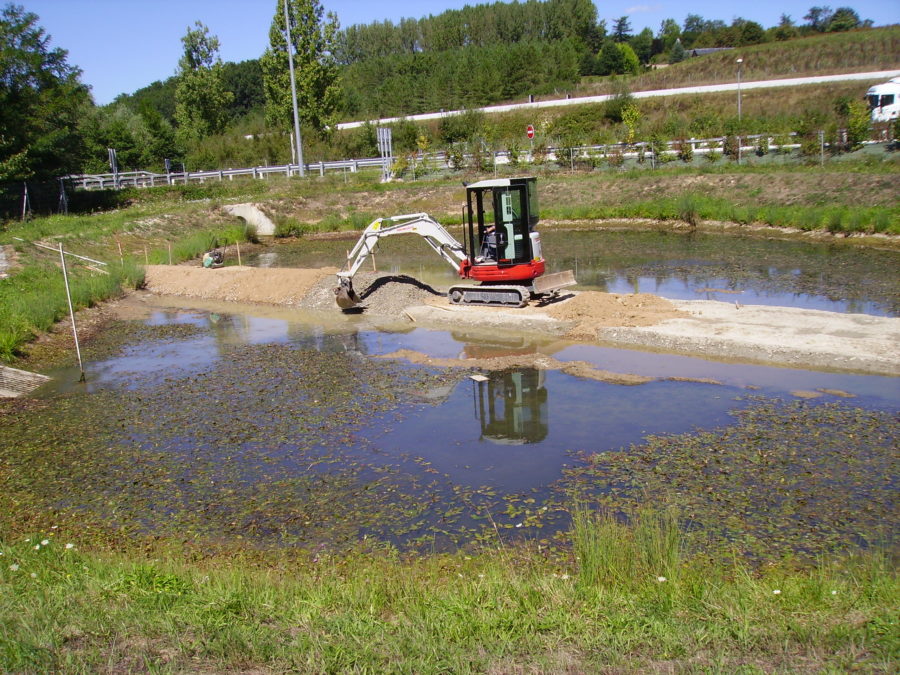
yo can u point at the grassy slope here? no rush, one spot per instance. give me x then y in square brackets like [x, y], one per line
[857, 51]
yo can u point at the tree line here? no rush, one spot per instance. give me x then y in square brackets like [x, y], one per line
[49, 125]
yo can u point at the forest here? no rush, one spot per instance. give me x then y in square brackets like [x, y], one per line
[213, 114]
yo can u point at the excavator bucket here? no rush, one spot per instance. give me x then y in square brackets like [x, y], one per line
[345, 296]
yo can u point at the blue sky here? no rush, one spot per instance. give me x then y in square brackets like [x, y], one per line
[123, 45]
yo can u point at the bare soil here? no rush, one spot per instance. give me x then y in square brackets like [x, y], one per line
[275, 286]
[774, 335]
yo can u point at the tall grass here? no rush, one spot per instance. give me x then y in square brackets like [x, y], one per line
[611, 552]
[635, 602]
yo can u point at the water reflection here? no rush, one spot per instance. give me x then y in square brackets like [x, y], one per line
[511, 406]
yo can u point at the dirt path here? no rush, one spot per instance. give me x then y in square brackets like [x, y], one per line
[775, 335]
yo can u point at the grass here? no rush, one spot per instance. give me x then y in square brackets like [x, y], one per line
[628, 601]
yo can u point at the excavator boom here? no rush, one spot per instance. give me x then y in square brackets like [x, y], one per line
[422, 224]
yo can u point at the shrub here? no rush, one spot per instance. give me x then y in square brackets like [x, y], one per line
[615, 158]
[455, 157]
[730, 146]
[684, 150]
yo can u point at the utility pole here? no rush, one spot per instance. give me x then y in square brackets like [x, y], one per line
[290, 53]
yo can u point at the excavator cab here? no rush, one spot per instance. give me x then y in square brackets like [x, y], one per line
[502, 215]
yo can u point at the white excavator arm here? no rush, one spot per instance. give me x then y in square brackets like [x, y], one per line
[422, 224]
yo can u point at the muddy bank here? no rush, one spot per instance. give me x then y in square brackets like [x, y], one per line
[762, 334]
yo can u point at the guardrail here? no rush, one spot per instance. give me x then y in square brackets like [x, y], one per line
[144, 179]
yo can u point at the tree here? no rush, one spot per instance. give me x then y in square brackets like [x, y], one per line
[630, 62]
[621, 29]
[40, 99]
[642, 44]
[844, 18]
[677, 54]
[631, 118]
[244, 80]
[201, 100]
[611, 61]
[314, 41]
[785, 29]
[746, 33]
[668, 33]
[819, 18]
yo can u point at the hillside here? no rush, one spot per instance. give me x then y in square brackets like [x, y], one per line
[383, 85]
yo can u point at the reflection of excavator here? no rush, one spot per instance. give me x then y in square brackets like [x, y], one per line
[500, 248]
[512, 406]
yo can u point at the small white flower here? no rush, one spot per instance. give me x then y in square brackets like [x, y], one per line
[34, 575]
[70, 545]
[37, 547]
[555, 575]
[776, 592]
[564, 577]
[14, 567]
[519, 524]
[481, 576]
[459, 575]
[660, 579]
[54, 527]
[45, 542]
[834, 592]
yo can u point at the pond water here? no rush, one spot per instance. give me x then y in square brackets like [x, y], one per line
[833, 276]
[226, 421]
[216, 421]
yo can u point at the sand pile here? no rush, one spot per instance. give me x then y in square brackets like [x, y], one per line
[274, 286]
[591, 311]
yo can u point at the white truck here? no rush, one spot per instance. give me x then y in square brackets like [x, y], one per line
[884, 101]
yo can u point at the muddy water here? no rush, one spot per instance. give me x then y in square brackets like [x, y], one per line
[831, 276]
[281, 429]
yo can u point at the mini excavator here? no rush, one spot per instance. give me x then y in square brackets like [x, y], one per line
[501, 250]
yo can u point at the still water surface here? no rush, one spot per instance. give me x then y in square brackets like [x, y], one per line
[233, 429]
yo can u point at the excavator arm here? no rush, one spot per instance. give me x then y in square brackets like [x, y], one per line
[434, 234]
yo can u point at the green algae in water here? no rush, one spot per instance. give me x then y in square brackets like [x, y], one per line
[279, 446]
[787, 479]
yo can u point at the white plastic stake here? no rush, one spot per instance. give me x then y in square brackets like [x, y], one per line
[62, 258]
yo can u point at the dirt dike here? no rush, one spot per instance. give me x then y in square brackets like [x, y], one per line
[730, 331]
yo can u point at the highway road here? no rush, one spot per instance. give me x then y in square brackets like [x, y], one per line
[702, 89]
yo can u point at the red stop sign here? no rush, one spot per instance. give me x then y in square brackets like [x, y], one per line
[529, 131]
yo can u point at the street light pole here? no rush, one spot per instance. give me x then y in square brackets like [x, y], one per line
[740, 63]
[290, 50]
